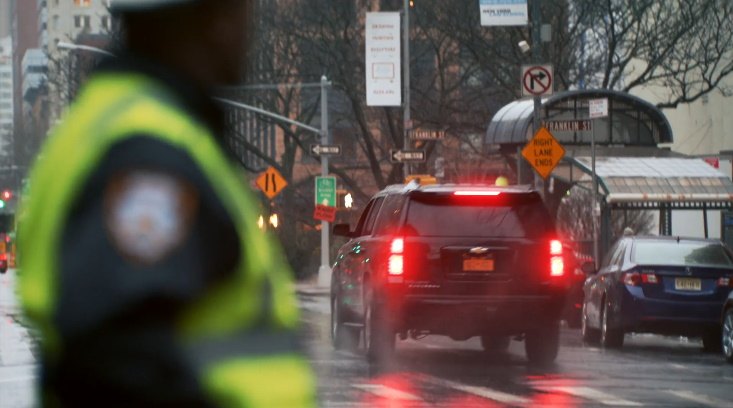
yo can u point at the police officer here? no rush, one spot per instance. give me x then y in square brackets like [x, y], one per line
[142, 264]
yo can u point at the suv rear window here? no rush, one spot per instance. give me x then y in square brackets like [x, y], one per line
[680, 253]
[507, 215]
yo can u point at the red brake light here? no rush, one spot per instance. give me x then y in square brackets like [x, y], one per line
[632, 278]
[649, 278]
[396, 264]
[398, 246]
[477, 193]
[557, 263]
[725, 282]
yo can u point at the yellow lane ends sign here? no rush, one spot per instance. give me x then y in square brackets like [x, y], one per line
[271, 182]
[543, 152]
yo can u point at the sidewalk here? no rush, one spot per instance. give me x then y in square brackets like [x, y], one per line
[309, 287]
[17, 362]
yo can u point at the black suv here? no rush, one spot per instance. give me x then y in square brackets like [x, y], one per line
[455, 260]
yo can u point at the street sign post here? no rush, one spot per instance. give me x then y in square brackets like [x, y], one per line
[597, 108]
[543, 152]
[426, 134]
[271, 182]
[403, 156]
[537, 80]
[326, 191]
[325, 150]
[582, 125]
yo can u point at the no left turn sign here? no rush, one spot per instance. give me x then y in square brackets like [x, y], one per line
[537, 80]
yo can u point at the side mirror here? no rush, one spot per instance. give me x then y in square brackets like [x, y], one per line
[589, 268]
[342, 230]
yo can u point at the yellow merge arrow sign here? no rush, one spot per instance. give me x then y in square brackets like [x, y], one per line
[543, 152]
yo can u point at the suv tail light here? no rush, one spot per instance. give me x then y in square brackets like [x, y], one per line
[396, 265]
[557, 263]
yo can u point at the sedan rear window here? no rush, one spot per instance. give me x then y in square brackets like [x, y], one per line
[448, 216]
[680, 253]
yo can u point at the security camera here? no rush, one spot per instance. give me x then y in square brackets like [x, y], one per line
[523, 46]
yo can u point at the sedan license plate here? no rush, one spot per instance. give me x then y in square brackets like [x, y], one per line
[688, 284]
[478, 265]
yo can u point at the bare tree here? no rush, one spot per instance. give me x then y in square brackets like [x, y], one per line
[575, 219]
[685, 47]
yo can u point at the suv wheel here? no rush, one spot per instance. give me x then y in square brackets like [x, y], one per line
[342, 336]
[590, 335]
[712, 341]
[379, 339]
[610, 337]
[495, 344]
[543, 344]
[727, 337]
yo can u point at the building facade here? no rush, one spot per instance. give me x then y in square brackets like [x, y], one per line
[6, 95]
[64, 21]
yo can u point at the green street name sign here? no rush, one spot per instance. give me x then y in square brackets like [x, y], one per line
[326, 191]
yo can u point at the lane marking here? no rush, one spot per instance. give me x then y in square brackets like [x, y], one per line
[680, 366]
[387, 392]
[700, 398]
[484, 392]
[593, 394]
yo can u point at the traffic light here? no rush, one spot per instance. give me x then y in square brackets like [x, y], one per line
[6, 195]
[341, 199]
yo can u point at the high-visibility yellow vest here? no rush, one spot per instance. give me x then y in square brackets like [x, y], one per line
[241, 335]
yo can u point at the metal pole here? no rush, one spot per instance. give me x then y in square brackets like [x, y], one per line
[537, 59]
[324, 271]
[594, 193]
[406, 86]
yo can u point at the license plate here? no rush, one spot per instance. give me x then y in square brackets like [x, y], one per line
[688, 284]
[478, 265]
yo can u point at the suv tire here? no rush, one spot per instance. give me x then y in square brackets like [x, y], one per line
[727, 335]
[495, 344]
[379, 338]
[342, 337]
[589, 334]
[610, 338]
[542, 344]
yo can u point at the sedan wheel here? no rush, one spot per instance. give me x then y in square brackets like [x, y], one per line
[610, 338]
[727, 336]
[590, 335]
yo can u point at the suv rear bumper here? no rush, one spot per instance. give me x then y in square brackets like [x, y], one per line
[466, 316]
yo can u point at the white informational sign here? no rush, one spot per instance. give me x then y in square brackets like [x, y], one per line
[503, 12]
[598, 108]
[383, 59]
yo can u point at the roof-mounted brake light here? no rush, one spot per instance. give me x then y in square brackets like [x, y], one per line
[477, 193]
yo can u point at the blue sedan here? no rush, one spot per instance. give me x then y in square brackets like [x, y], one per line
[662, 285]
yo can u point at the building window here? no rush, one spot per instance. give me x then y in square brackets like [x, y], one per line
[105, 22]
[82, 21]
[82, 3]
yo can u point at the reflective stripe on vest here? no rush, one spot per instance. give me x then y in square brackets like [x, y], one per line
[110, 108]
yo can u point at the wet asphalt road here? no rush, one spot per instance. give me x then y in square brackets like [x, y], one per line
[651, 371]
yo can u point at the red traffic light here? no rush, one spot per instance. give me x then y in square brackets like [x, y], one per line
[6, 195]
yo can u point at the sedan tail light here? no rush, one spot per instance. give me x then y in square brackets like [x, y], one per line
[557, 263]
[631, 278]
[636, 278]
[725, 282]
[396, 264]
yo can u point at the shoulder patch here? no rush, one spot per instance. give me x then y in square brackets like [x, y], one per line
[148, 214]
